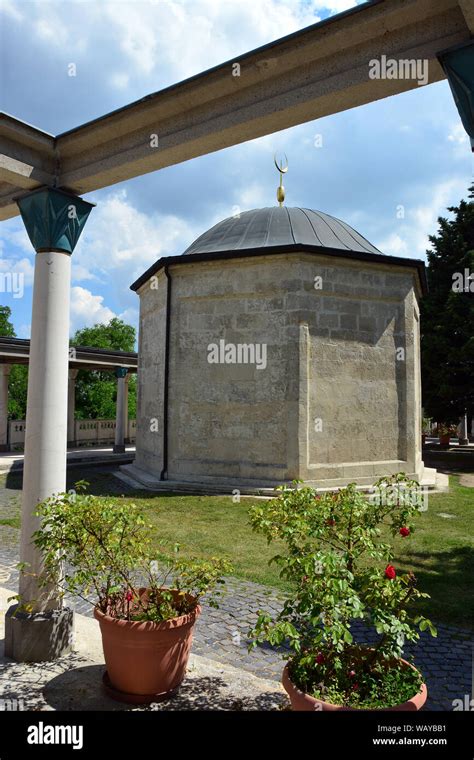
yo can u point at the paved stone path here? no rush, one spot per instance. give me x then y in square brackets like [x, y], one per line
[221, 635]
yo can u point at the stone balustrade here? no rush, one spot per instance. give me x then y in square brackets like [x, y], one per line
[86, 433]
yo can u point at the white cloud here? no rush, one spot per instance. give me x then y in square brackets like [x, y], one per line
[80, 273]
[117, 245]
[253, 195]
[88, 309]
[337, 6]
[120, 80]
[459, 140]
[14, 232]
[24, 331]
[411, 237]
[119, 237]
[64, 31]
[20, 266]
[45, 30]
[130, 316]
[9, 8]
[190, 37]
[458, 134]
[163, 41]
[394, 245]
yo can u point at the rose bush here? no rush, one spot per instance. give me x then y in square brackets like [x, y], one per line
[341, 571]
[100, 550]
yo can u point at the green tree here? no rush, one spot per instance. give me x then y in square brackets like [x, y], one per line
[17, 392]
[18, 379]
[447, 317]
[6, 327]
[96, 391]
[116, 335]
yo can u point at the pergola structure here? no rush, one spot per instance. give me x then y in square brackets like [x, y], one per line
[317, 71]
[17, 351]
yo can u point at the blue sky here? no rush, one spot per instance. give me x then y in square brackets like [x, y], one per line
[409, 150]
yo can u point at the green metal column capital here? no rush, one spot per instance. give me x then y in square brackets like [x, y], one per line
[458, 65]
[53, 219]
[121, 372]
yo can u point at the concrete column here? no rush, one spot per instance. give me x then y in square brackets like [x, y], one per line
[46, 413]
[125, 409]
[46, 633]
[71, 408]
[4, 374]
[54, 221]
[120, 374]
[463, 433]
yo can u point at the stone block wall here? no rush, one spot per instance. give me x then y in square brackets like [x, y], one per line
[150, 377]
[363, 403]
[232, 421]
[338, 400]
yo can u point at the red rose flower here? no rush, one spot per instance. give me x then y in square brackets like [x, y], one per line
[404, 532]
[129, 596]
[320, 658]
[352, 674]
[390, 572]
[330, 521]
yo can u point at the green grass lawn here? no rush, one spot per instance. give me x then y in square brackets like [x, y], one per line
[11, 522]
[440, 552]
[214, 525]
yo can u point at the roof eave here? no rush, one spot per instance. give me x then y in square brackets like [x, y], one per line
[379, 258]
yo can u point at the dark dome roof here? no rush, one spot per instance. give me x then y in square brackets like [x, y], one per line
[280, 226]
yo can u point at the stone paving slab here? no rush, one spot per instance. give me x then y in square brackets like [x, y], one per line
[75, 682]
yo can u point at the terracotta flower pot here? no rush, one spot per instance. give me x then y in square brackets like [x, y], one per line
[145, 661]
[444, 439]
[304, 702]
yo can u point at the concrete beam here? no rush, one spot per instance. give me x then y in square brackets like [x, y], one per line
[317, 71]
[22, 174]
[467, 8]
[27, 161]
[17, 351]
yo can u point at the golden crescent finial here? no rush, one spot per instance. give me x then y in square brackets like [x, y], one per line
[282, 169]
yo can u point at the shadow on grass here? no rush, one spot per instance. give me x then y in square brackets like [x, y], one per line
[447, 577]
[101, 479]
[452, 461]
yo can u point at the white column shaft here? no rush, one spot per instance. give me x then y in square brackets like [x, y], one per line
[120, 412]
[4, 374]
[71, 404]
[46, 416]
[125, 407]
[463, 434]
